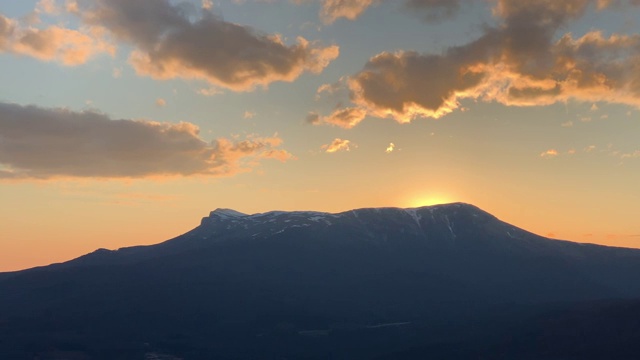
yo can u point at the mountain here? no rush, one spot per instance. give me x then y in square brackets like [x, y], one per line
[357, 284]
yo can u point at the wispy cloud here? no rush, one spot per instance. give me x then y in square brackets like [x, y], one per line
[338, 145]
[549, 153]
[41, 143]
[47, 7]
[390, 148]
[210, 91]
[207, 4]
[349, 9]
[333, 10]
[631, 155]
[346, 118]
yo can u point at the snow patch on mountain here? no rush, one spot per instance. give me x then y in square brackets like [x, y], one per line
[226, 213]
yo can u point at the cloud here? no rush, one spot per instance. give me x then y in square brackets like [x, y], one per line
[349, 9]
[338, 145]
[522, 61]
[210, 91]
[40, 143]
[631, 155]
[207, 4]
[549, 153]
[7, 27]
[346, 118]
[313, 118]
[435, 10]
[54, 43]
[161, 102]
[169, 44]
[249, 114]
[333, 10]
[404, 85]
[567, 124]
[71, 6]
[47, 7]
[390, 148]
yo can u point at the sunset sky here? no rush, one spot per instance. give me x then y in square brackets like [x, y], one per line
[123, 122]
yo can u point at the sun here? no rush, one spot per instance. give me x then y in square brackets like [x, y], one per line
[430, 199]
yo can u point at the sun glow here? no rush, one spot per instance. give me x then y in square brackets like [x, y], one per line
[428, 200]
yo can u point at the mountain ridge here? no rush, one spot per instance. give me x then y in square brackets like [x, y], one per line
[233, 220]
[276, 276]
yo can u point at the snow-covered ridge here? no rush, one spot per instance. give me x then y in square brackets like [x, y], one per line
[413, 212]
[226, 213]
[449, 225]
[275, 222]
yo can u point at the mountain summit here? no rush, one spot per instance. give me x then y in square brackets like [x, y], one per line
[237, 277]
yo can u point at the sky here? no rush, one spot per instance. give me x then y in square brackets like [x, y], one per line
[124, 122]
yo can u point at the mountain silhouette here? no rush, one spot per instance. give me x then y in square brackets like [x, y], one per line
[357, 284]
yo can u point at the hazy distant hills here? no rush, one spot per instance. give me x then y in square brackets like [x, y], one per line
[360, 284]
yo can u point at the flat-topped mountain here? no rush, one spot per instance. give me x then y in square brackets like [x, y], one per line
[250, 282]
[454, 227]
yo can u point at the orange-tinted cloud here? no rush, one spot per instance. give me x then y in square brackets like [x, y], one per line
[549, 153]
[352, 9]
[54, 43]
[210, 91]
[520, 62]
[390, 148]
[71, 6]
[346, 118]
[6, 30]
[338, 145]
[405, 85]
[49, 143]
[349, 9]
[631, 155]
[47, 7]
[168, 45]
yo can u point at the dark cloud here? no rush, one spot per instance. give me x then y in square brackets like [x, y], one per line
[407, 84]
[313, 118]
[522, 61]
[48, 143]
[171, 45]
[434, 10]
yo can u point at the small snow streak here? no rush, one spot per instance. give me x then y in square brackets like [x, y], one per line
[449, 226]
[414, 214]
